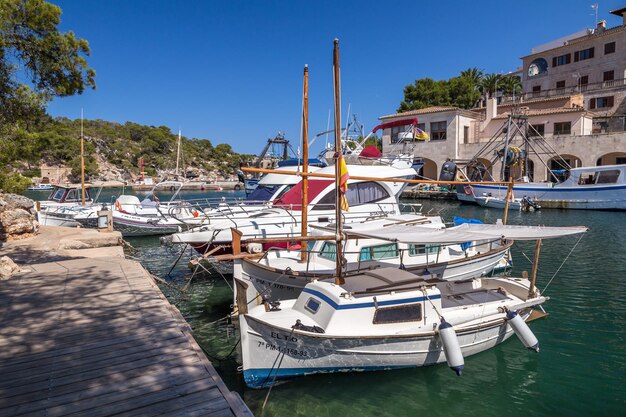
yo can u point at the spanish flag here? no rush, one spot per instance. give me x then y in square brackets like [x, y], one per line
[343, 183]
[420, 134]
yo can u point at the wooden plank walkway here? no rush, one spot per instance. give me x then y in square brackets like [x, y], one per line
[96, 337]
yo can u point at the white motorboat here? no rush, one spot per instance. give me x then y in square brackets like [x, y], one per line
[41, 187]
[367, 200]
[64, 208]
[282, 274]
[389, 318]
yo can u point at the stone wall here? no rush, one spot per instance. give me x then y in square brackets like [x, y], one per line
[17, 217]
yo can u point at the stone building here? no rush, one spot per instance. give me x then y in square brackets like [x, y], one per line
[573, 92]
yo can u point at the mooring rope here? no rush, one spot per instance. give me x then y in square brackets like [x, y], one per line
[563, 263]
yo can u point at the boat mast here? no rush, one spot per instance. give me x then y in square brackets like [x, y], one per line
[177, 153]
[305, 163]
[82, 160]
[338, 227]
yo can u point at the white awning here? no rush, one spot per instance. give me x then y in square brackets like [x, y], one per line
[463, 233]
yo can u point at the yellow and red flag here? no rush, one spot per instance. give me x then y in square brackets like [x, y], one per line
[343, 183]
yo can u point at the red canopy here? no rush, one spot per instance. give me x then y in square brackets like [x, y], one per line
[370, 152]
[396, 123]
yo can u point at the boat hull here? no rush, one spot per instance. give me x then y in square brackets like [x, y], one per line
[303, 353]
[606, 197]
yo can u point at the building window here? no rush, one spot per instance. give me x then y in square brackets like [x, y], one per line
[536, 90]
[395, 133]
[561, 60]
[584, 54]
[465, 134]
[601, 102]
[537, 67]
[438, 131]
[560, 84]
[608, 75]
[609, 48]
[536, 130]
[563, 128]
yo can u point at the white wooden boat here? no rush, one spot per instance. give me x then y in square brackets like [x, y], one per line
[388, 318]
[64, 208]
[281, 274]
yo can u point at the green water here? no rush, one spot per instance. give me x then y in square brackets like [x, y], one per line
[580, 371]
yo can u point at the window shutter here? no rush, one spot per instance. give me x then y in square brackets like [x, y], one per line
[591, 52]
[554, 62]
[592, 103]
[568, 58]
[576, 55]
[610, 101]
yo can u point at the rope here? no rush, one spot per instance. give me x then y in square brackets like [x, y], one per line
[278, 368]
[563, 263]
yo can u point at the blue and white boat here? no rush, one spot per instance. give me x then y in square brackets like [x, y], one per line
[591, 188]
[389, 318]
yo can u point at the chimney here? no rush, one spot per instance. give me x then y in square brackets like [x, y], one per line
[491, 111]
[601, 26]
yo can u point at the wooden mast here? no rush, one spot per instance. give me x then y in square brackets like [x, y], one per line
[177, 154]
[305, 164]
[336, 76]
[82, 160]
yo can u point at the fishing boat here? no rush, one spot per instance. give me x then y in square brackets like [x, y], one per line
[597, 188]
[581, 188]
[281, 273]
[390, 318]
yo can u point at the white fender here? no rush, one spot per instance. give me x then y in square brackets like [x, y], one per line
[451, 347]
[522, 331]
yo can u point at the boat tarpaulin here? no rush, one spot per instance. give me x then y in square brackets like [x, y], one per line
[463, 233]
[396, 123]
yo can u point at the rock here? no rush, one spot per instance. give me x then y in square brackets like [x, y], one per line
[15, 201]
[7, 268]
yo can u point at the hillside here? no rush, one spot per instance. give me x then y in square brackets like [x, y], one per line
[112, 151]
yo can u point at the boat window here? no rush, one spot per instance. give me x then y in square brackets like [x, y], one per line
[379, 252]
[423, 249]
[357, 194]
[328, 251]
[58, 194]
[71, 195]
[608, 177]
[398, 314]
[287, 188]
[587, 178]
[312, 305]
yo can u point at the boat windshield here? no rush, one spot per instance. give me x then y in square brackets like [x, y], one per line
[263, 192]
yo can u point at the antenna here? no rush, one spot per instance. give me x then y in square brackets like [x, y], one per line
[594, 6]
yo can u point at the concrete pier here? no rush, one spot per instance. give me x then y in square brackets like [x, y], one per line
[84, 331]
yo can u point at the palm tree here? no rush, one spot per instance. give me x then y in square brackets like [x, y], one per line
[490, 85]
[474, 74]
[511, 85]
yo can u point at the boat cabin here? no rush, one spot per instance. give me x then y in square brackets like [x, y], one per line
[62, 194]
[601, 175]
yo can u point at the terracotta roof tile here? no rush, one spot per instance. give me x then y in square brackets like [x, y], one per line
[543, 112]
[426, 110]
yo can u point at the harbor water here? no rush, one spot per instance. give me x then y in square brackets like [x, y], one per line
[579, 371]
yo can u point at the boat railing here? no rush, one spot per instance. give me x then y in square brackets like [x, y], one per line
[431, 251]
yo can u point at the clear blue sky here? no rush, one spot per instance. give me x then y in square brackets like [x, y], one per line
[231, 71]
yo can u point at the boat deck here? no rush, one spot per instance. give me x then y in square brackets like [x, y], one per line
[96, 337]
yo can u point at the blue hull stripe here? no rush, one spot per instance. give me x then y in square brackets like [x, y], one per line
[261, 378]
[369, 304]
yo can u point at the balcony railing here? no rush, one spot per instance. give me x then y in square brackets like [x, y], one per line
[563, 91]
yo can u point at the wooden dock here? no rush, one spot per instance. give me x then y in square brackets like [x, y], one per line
[96, 337]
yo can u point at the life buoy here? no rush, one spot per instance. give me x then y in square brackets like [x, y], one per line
[468, 189]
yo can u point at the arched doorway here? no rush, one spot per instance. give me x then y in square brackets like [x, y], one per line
[558, 166]
[428, 170]
[613, 158]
